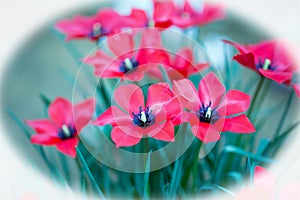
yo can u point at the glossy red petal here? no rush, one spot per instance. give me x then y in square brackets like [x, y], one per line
[163, 12]
[211, 90]
[122, 138]
[115, 23]
[184, 61]
[174, 111]
[77, 27]
[83, 113]
[130, 97]
[187, 94]
[241, 48]
[206, 132]
[279, 77]
[114, 116]
[137, 18]
[45, 139]
[164, 132]
[42, 125]
[159, 93]
[210, 13]
[297, 89]
[60, 111]
[235, 102]
[121, 44]
[247, 59]
[136, 74]
[68, 146]
[238, 124]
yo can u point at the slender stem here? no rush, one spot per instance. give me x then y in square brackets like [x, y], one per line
[89, 173]
[285, 113]
[257, 91]
[195, 165]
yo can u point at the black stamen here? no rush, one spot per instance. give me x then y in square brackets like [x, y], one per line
[144, 118]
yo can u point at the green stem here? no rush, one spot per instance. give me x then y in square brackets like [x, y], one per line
[257, 91]
[195, 165]
[285, 113]
[89, 173]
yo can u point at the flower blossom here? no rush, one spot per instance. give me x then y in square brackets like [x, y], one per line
[269, 58]
[211, 110]
[187, 16]
[63, 126]
[134, 119]
[105, 22]
[128, 63]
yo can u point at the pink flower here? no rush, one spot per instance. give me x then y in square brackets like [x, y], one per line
[130, 64]
[163, 11]
[183, 66]
[64, 125]
[211, 110]
[105, 22]
[269, 58]
[135, 119]
[187, 16]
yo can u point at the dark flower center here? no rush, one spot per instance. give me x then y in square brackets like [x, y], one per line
[97, 30]
[128, 65]
[143, 118]
[205, 113]
[66, 132]
[266, 65]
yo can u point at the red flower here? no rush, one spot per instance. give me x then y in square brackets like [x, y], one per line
[211, 111]
[297, 89]
[186, 16]
[136, 120]
[64, 125]
[163, 11]
[105, 22]
[128, 63]
[183, 65]
[269, 58]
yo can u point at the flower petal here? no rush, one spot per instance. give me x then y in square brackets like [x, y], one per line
[130, 97]
[234, 102]
[121, 44]
[60, 111]
[187, 94]
[45, 139]
[297, 89]
[137, 18]
[279, 77]
[163, 132]
[122, 138]
[114, 116]
[42, 125]
[206, 132]
[68, 146]
[159, 93]
[83, 113]
[163, 11]
[211, 90]
[238, 124]
[247, 59]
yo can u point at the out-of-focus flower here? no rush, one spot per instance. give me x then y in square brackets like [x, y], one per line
[64, 125]
[297, 89]
[270, 59]
[264, 188]
[183, 66]
[135, 119]
[105, 22]
[161, 18]
[130, 64]
[187, 16]
[211, 110]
